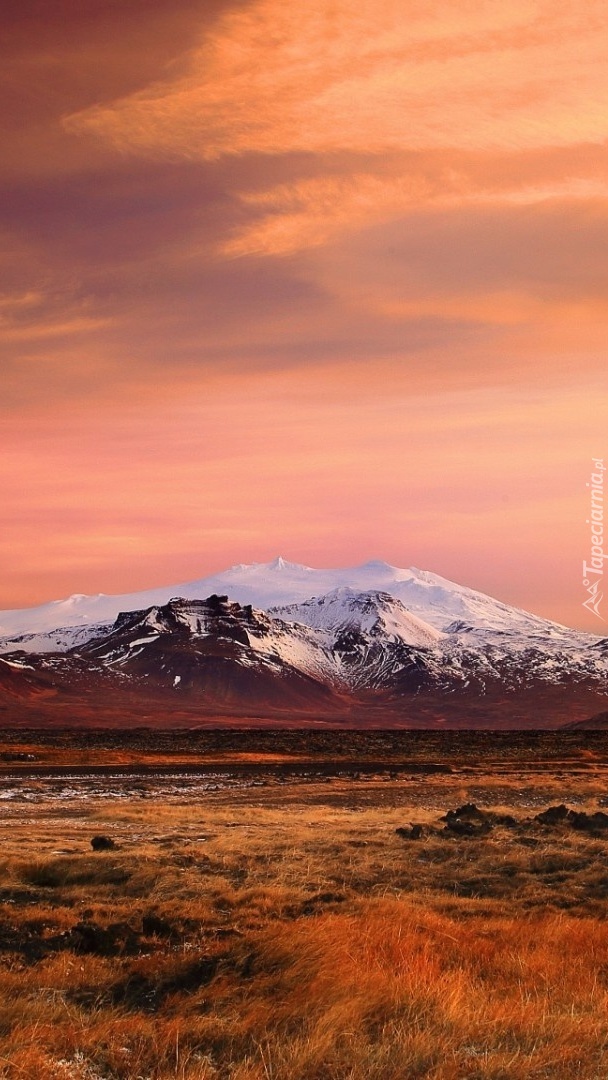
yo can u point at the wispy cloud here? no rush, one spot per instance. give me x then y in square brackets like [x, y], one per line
[377, 82]
[313, 212]
[375, 78]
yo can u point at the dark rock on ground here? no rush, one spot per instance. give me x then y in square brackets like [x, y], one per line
[102, 843]
[554, 815]
[592, 823]
[575, 819]
[467, 812]
[415, 832]
[467, 820]
[463, 827]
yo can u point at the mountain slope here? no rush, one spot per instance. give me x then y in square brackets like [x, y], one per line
[346, 657]
[376, 613]
[415, 650]
[215, 648]
[20, 681]
[435, 600]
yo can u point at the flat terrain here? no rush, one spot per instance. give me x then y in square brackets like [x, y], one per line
[252, 912]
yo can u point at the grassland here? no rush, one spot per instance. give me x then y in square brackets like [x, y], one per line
[285, 931]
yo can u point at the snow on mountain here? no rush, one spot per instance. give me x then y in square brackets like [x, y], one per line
[253, 634]
[443, 604]
[345, 641]
[362, 645]
[53, 641]
[216, 647]
[377, 614]
[325, 656]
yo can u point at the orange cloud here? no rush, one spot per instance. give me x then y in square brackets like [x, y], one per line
[375, 78]
[381, 82]
[313, 212]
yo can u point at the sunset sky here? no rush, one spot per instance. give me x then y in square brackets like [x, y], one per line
[327, 280]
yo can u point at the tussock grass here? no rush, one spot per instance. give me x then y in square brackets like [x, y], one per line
[60, 873]
[304, 942]
[389, 990]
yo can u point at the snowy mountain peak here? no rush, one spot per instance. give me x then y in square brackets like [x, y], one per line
[375, 613]
[283, 564]
[278, 563]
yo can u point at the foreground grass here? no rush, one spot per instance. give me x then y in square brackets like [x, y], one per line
[304, 942]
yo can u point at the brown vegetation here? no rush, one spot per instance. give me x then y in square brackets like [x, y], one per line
[291, 933]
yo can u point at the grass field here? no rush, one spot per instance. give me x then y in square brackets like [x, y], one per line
[287, 932]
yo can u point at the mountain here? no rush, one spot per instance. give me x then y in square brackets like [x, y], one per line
[435, 600]
[376, 613]
[53, 641]
[215, 647]
[519, 655]
[347, 657]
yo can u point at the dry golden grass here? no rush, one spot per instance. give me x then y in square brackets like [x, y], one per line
[290, 934]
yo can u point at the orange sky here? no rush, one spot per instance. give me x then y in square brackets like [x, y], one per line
[329, 280]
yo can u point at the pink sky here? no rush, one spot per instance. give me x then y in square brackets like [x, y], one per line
[326, 280]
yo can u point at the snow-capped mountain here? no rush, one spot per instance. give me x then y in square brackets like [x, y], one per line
[215, 647]
[418, 644]
[53, 641]
[428, 596]
[176, 644]
[344, 655]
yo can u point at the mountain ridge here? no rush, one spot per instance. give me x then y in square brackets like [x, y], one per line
[347, 657]
[373, 644]
[430, 597]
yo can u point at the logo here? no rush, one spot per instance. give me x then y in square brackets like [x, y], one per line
[593, 570]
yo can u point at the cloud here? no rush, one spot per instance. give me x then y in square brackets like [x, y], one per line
[429, 102]
[315, 211]
[375, 78]
[59, 57]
